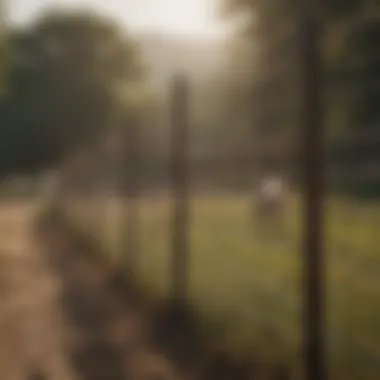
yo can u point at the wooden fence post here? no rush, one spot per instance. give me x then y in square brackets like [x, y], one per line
[180, 184]
[313, 175]
[131, 189]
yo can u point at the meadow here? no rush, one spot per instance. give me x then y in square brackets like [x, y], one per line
[252, 285]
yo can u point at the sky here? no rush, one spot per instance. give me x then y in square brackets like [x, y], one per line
[194, 17]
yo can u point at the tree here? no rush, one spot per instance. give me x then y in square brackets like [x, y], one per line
[355, 150]
[66, 72]
[350, 45]
[270, 93]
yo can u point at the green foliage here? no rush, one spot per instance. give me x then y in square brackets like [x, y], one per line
[3, 51]
[337, 9]
[350, 42]
[359, 66]
[356, 78]
[3, 65]
[65, 75]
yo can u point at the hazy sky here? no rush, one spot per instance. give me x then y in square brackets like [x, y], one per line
[181, 16]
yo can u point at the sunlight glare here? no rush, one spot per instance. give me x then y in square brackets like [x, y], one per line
[193, 17]
[196, 17]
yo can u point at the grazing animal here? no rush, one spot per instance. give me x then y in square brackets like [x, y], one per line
[269, 206]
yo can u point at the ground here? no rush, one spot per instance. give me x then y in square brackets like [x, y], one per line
[31, 328]
[252, 285]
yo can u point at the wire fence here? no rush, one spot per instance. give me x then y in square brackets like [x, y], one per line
[189, 227]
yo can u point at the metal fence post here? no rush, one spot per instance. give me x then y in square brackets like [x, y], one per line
[180, 185]
[313, 175]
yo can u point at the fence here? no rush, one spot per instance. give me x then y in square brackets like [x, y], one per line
[197, 231]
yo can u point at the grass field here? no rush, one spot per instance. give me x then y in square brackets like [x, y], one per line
[253, 285]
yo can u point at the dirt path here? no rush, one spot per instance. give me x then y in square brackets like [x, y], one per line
[15, 226]
[64, 314]
[31, 330]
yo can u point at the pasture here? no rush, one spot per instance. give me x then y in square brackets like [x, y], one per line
[253, 285]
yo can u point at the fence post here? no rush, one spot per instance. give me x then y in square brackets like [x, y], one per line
[180, 185]
[131, 187]
[313, 176]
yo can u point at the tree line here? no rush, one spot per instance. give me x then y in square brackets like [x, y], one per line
[71, 77]
[270, 97]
